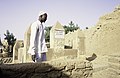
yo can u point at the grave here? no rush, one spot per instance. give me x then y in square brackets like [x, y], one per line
[57, 40]
[18, 44]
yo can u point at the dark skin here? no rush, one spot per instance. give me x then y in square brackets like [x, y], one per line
[42, 19]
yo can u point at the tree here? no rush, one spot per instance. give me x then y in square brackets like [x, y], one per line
[71, 24]
[11, 40]
[47, 34]
[71, 27]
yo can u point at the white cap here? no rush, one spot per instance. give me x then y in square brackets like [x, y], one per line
[41, 13]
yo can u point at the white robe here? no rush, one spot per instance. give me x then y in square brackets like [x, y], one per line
[37, 40]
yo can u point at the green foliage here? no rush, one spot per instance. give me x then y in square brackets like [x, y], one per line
[71, 27]
[47, 34]
[10, 38]
[11, 41]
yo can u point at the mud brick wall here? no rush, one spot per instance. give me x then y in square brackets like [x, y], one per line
[51, 69]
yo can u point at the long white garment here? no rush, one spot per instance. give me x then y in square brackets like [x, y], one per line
[37, 40]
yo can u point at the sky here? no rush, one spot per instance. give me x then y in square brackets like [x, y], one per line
[17, 15]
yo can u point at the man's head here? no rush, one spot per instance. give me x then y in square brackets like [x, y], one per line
[42, 17]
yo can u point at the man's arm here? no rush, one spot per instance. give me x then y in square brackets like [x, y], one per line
[32, 47]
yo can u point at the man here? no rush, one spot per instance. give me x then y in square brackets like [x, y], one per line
[38, 47]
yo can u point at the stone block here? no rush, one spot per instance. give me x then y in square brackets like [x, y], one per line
[87, 73]
[20, 55]
[57, 36]
[88, 64]
[69, 52]
[70, 67]
[66, 73]
[77, 73]
[27, 57]
[49, 54]
[80, 65]
[76, 40]
[18, 44]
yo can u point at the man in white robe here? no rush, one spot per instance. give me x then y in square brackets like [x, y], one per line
[38, 47]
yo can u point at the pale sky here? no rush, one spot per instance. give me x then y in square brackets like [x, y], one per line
[17, 15]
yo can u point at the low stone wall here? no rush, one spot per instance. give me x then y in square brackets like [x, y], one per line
[49, 69]
[5, 60]
[66, 52]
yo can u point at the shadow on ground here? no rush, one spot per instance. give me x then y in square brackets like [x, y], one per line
[31, 70]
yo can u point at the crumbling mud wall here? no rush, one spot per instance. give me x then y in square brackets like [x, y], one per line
[51, 69]
[104, 38]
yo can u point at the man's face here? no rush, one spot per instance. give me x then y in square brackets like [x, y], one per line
[43, 18]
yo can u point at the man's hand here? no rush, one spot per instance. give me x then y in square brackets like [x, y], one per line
[33, 57]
